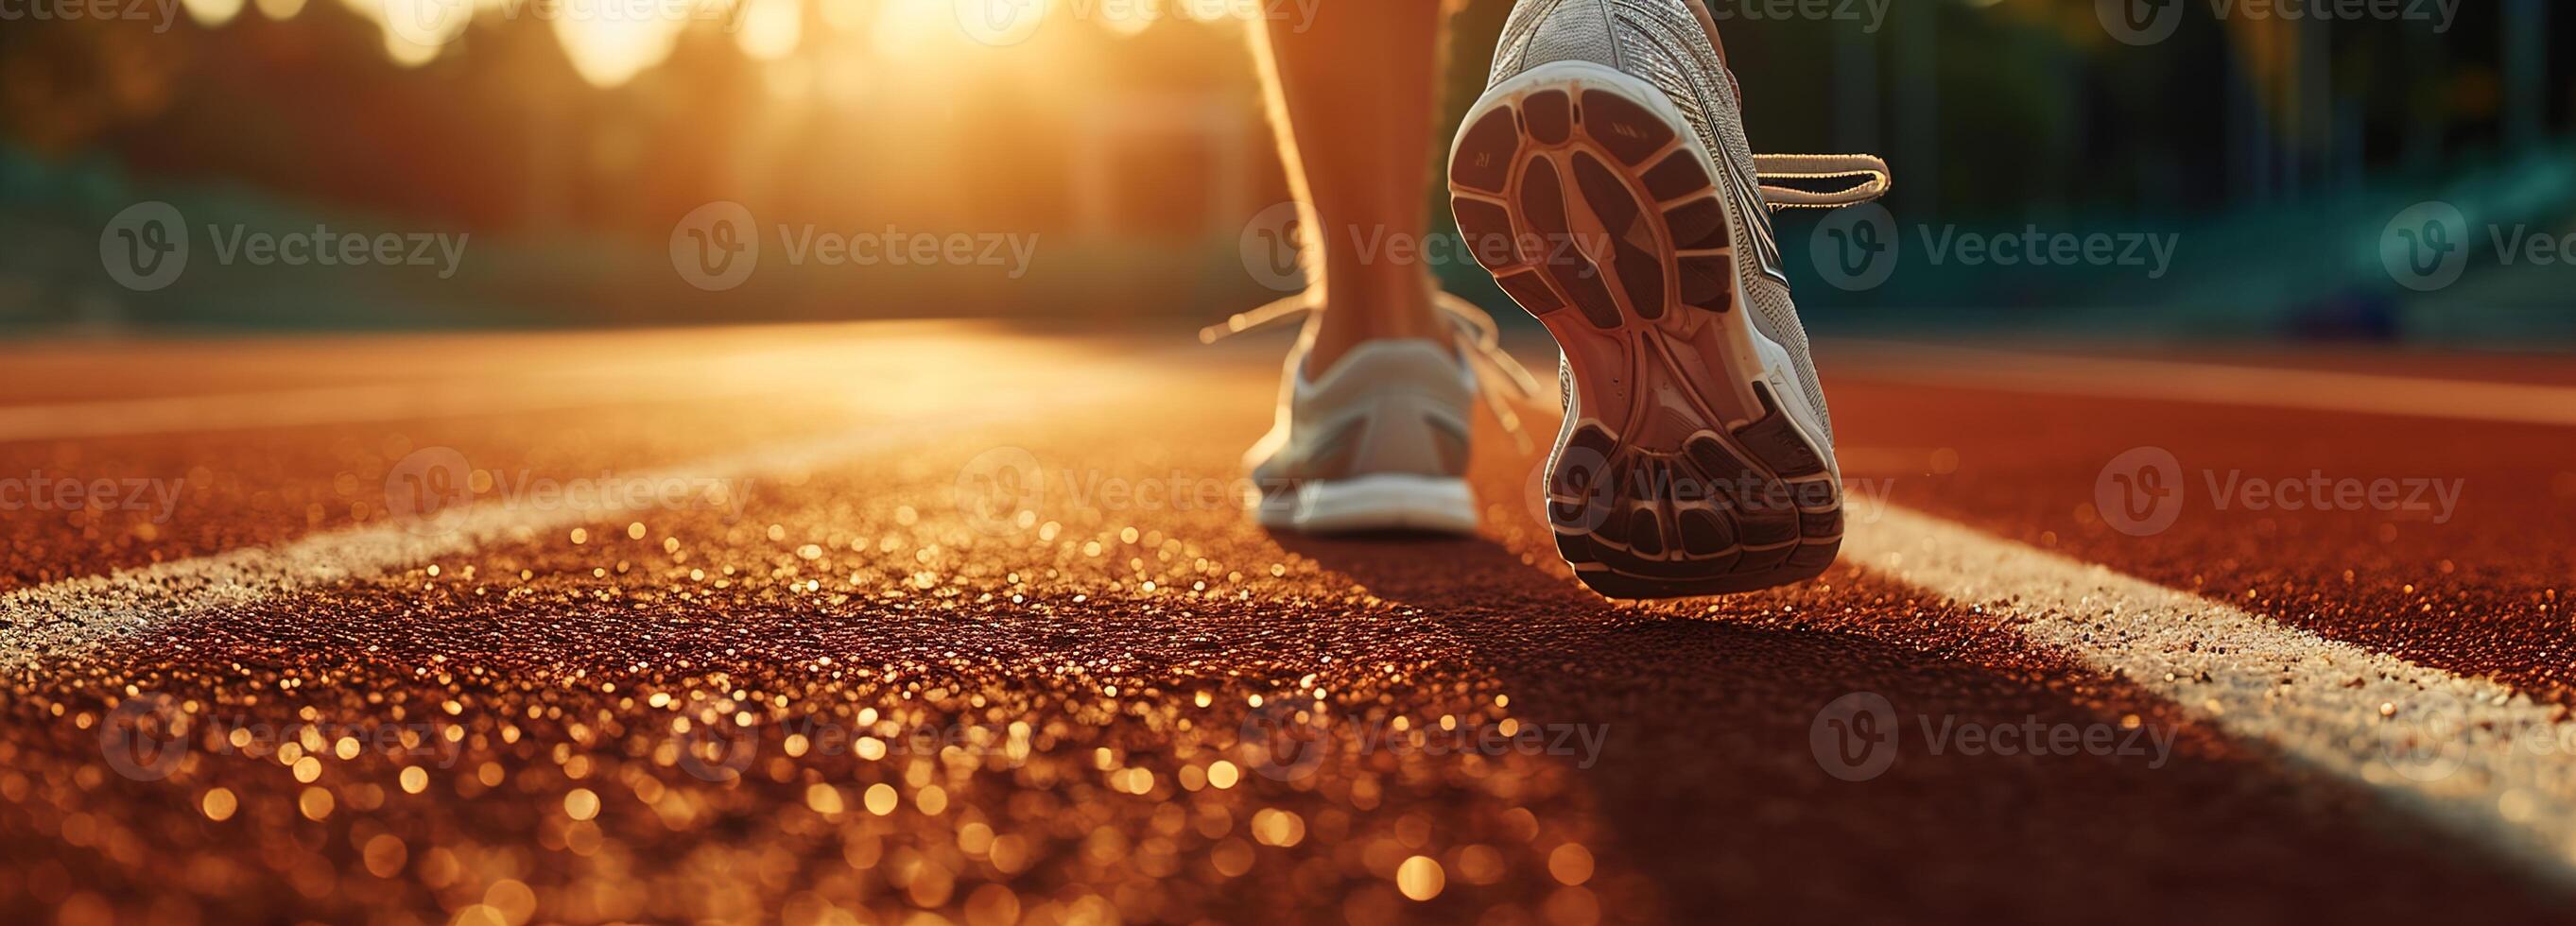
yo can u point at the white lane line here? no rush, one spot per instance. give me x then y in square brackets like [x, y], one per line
[2213, 384]
[2469, 754]
[58, 617]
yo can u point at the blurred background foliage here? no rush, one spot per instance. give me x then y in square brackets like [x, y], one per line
[1127, 136]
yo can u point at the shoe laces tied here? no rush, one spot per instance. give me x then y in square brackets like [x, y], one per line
[1874, 179]
[1472, 330]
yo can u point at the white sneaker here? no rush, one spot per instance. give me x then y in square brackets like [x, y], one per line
[1377, 443]
[1380, 441]
[1605, 181]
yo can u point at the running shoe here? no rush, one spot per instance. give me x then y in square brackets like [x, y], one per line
[1379, 441]
[1605, 180]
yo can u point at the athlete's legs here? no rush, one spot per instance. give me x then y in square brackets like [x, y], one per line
[1351, 97]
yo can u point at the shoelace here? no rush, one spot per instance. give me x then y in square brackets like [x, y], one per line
[1477, 337]
[1875, 179]
[1480, 340]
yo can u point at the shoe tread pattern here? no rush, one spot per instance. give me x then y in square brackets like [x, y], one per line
[1680, 504]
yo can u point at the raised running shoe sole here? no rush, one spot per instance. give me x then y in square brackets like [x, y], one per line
[1596, 207]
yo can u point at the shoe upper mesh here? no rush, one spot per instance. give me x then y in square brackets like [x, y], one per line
[1663, 43]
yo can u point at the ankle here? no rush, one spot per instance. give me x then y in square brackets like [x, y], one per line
[1351, 316]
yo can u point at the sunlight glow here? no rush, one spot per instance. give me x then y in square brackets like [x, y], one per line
[1002, 22]
[791, 80]
[609, 51]
[1208, 11]
[843, 78]
[408, 53]
[770, 28]
[421, 24]
[610, 42]
[844, 15]
[1127, 18]
[212, 13]
[910, 29]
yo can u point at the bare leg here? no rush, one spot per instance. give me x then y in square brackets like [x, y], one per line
[1351, 97]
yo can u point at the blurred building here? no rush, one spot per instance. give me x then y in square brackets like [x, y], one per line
[1128, 135]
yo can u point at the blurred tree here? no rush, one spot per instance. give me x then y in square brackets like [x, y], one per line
[66, 83]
